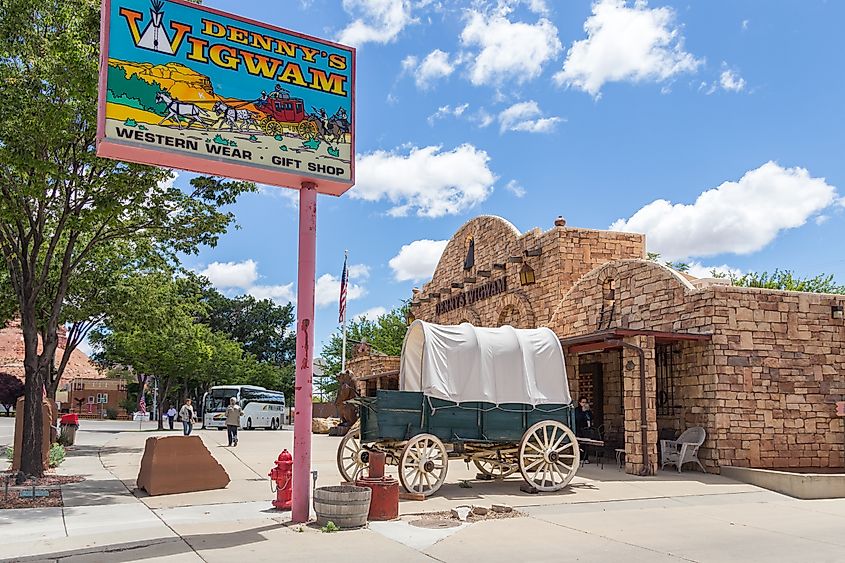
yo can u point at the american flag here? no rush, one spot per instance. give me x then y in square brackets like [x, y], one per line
[344, 279]
[142, 405]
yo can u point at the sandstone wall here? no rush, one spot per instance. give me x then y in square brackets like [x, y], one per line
[558, 258]
[764, 385]
[368, 365]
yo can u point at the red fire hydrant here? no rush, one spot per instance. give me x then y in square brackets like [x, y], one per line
[282, 476]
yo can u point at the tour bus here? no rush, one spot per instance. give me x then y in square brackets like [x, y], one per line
[260, 407]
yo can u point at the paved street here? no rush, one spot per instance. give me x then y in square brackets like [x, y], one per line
[604, 516]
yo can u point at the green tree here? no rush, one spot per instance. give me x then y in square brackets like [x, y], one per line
[59, 201]
[385, 335]
[677, 265]
[262, 327]
[10, 389]
[787, 280]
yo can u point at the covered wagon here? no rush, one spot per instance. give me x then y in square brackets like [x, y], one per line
[496, 397]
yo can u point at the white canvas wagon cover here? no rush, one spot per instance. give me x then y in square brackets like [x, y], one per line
[496, 365]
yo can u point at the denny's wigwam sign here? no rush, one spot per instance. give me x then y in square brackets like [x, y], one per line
[190, 87]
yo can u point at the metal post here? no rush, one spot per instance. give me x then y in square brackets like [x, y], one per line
[300, 506]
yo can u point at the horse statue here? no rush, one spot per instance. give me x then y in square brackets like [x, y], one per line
[346, 390]
[233, 116]
[177, 110]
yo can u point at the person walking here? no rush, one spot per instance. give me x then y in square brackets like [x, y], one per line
[233, 421]
[186, 413]
[171, 416]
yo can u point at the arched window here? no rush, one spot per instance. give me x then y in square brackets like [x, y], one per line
[510, 315]
[469, 261]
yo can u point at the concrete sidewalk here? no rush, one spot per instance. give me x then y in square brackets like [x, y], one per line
[605, 516]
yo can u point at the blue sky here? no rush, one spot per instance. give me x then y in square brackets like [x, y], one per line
[714, 127]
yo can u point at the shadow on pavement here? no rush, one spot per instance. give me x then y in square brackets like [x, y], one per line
[164, 547]
[83, 450]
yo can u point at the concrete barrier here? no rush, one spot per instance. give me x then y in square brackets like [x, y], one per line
[798, 485]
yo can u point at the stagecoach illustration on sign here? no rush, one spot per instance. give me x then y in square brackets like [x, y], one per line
[271, 114]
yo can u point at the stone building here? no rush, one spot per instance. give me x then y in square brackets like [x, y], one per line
[373, 370]
[656, 351]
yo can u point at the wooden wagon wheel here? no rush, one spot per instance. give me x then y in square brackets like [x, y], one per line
[548, 455]
[423, 464]
[352, 458]
[272, 127]
[308, 129]
[494, 467]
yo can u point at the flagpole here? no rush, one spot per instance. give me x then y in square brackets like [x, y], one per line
[343, 324]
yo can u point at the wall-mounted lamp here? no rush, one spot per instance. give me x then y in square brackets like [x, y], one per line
[526, 275]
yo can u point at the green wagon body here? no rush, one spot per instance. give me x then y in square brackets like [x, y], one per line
[524, 422]
[401, 415]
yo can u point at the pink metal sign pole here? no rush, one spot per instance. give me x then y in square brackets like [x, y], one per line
[300, 507]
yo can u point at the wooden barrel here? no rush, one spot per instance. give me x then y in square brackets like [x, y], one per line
[347, 506]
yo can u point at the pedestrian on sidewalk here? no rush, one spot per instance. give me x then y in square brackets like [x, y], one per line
[233, 421]
[186, 413]
[171, 416]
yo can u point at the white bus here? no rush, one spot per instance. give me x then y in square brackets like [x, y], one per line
[260, 407]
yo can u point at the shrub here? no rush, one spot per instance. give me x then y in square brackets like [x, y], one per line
[57, 455]
[111, 413]
[329, 527]
[10, 453]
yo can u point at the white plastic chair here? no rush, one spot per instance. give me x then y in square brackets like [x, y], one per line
[684, 449]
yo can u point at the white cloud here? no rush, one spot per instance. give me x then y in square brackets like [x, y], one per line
[505, 51]
[327, 291]
[427, 181]
[409, 63]
[280, 294]
[738, 217]
[482, 118]
[731, 81]
[434, 66]
[745, 24]
[372, 314]
[699, 270]
[378, 21]
[359, 271]
[226, 275]
[515, 188]
[167, 184]
[525, 116]
[447, 111]
[416, 261]
[243, 275]
[626, 44]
